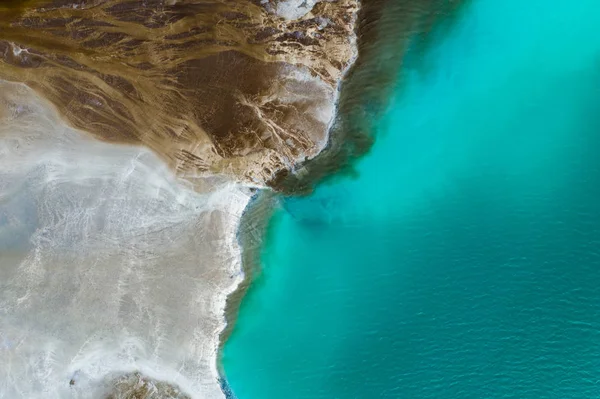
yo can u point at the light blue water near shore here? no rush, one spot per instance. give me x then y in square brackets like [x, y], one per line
[464, 261]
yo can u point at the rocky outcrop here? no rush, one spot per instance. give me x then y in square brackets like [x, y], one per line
[243, 88]
[136, 386]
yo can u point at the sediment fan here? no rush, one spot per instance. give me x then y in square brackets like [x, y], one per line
[227, 87]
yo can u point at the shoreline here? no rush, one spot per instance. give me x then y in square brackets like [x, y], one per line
[251, 229]
[257, 215]
[259, 210]
[302, 179]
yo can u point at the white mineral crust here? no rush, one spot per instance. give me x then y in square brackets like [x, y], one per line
[108, 262]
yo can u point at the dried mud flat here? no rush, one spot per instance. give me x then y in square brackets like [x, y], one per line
[109, 264]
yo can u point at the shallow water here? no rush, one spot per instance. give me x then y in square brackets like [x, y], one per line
[463, 260]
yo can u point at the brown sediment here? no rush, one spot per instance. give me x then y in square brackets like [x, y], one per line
[385, 30]
[212, 86]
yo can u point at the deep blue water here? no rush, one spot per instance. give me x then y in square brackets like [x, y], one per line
[464, 260]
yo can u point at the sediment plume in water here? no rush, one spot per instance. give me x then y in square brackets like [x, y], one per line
[385, 31]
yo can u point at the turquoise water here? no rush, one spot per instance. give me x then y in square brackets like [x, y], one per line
[464, 260]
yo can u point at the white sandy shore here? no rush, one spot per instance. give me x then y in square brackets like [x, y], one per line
[108, 263]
